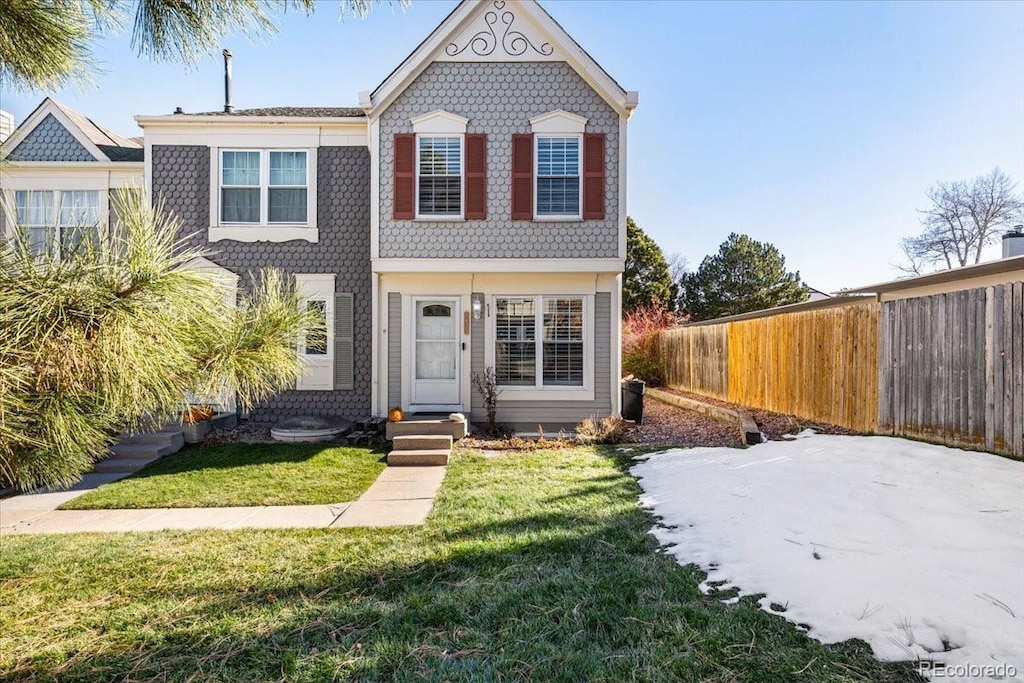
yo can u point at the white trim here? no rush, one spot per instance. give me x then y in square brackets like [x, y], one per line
[462, 17]
[73, 166]
[439, 122]
[462, 179]
[622, 186]
[319, 374]
[376, 335]
[373, 143]
[267, 136]
[48, 106]
[257, 233]
[558, 121]
[578, 216]
[538, 392]
[228, 121]
[427, 265]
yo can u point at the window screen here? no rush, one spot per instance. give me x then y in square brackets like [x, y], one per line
[240, 187]
[287, 191]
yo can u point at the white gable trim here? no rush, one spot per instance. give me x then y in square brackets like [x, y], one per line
[47, 107]
[558, 121]
[462, 17]
[439, 121]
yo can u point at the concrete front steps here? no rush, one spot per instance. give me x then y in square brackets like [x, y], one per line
[420, 449]
[135, 451]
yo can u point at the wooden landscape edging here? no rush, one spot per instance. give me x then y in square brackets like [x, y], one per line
[750, 433]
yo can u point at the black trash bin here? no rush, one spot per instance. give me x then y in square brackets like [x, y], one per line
[633, 400]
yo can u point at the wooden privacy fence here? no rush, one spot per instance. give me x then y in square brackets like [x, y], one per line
[946, 367]
[817, 364]
[952, 368]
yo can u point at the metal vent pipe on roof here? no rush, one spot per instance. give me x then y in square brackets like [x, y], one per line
[1013, 242]
[228, 107]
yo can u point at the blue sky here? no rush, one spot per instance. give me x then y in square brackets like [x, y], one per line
[815, 126]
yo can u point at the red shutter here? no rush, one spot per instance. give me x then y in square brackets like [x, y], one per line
[476, 177]
[593, 176]
[404, 200]
[522, 177]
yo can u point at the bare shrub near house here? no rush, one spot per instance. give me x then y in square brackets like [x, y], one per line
[610, 429]
[640, 329]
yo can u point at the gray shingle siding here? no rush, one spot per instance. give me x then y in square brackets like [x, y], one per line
[181, 178]
[50, 141]
[499, 99]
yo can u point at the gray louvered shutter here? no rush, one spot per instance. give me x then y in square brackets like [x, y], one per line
[344, 374]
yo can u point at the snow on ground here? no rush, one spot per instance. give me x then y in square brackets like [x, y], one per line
[914, 548]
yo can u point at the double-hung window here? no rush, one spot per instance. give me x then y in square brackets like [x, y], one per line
[558, 176]
[56, 222]
[439, 176]
[539, 341]
[264, 187]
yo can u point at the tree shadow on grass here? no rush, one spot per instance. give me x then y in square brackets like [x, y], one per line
[549, 591]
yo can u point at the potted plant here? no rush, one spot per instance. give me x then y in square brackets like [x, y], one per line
[195, 422]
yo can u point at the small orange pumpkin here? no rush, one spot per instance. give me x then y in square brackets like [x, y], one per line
[395, 414]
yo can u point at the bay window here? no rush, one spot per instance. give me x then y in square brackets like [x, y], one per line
[539, 341]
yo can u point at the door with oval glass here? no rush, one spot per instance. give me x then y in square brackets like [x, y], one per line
[436, 354]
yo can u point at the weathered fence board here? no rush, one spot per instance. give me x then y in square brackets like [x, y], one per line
[952, 368]
[695, 359]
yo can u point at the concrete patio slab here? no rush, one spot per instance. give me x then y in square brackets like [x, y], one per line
[384, 513]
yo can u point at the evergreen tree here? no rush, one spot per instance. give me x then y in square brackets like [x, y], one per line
[646, 281]
[745, 275]
[113, 336]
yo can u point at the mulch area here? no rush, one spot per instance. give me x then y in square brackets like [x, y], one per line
[691, 427]
[665, 424]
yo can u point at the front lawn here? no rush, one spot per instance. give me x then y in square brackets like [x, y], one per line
[532, 567]
[242, 474]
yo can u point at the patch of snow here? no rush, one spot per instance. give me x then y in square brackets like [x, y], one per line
[915, 548]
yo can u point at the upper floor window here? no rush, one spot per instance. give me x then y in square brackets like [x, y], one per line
[264, 187]
[439, 175]
[56, 222]
[558, 176]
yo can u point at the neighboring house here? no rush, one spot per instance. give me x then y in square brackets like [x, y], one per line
[58, 172]
[469, 213]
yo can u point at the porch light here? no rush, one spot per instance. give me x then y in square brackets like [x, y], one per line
[478, 306]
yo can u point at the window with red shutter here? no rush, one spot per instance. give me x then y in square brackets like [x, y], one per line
[522, 177]
[593, 176]
[476, 176]
[404, 191]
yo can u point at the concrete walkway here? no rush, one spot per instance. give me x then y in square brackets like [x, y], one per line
[401, 496]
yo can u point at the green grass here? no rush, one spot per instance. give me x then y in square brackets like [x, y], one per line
[242, 474]
[532, 567]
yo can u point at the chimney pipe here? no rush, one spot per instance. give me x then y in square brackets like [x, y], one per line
[228, 107]
[1013, 242]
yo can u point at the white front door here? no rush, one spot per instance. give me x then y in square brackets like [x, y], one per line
[436, 354]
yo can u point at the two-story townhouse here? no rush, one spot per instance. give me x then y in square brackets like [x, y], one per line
[59, 170]
[470, 213]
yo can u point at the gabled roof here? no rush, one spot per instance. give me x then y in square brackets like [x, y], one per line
[554, 43]
[102, 143]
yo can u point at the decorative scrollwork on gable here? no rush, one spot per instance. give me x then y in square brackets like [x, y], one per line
[514, 42]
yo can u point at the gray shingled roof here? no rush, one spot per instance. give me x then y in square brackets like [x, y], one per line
[312, 112]
[115, 147]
